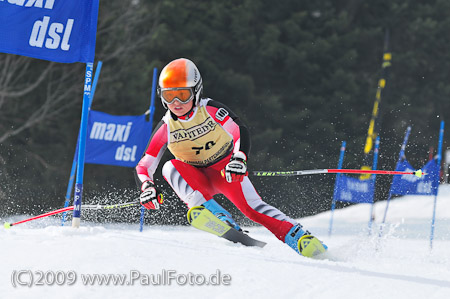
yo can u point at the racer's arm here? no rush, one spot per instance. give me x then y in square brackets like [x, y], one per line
[152, 156]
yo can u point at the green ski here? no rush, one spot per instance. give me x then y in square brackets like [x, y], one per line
[201, 218]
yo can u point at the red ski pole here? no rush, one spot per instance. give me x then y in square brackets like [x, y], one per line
[87, 207]
[8, 225]
[417, 173]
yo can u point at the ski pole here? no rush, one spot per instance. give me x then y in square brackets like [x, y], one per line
[8, 225]
[417, 173]
[108, 207]
[62, 210]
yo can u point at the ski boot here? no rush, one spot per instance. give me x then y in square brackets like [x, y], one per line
[303, 242]
[221, 213]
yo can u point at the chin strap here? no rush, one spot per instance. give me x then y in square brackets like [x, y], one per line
[184, 116]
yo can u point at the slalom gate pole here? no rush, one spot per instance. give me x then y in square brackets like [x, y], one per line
[439, 157]
[336, 186]
[400, 158]
[152, 112]
[374, 178]
[375, 121]
[74, 162]
[70, 184]
[70, 208]
[417, 173]
[78, 194]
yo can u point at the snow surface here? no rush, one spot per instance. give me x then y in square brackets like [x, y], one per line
[398, 265]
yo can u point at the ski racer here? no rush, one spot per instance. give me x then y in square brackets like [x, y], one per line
[211, 146]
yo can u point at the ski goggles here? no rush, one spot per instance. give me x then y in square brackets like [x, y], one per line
[181, 94]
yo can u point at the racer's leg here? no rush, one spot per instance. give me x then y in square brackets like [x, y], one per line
[194, 188]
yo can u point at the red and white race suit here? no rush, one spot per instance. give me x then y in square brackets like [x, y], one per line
[202, 144]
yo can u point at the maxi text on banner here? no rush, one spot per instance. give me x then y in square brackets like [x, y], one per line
[413, 185]
[116, 140]
[354, 190]
[55, 30]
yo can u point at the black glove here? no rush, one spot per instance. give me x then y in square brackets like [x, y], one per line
[236, 169]
[150, 197]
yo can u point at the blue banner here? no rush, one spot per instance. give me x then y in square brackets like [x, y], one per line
[116, 140]
[55, 30]
[413, 185]
[354, 190]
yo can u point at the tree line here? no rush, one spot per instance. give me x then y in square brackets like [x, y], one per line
[301, 74]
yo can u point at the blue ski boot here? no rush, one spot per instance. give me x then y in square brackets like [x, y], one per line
[303, 242]
[221, 213]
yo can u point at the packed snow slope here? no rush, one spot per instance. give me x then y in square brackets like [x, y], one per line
[398, 265]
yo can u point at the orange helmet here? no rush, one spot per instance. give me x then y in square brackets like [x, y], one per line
[180, 81]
